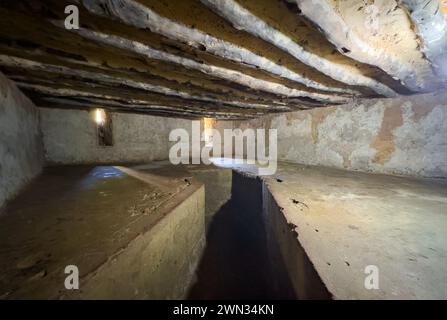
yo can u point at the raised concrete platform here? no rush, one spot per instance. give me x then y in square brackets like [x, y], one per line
[217, 180]
[330, 224]
[131, 238]
[138, 232]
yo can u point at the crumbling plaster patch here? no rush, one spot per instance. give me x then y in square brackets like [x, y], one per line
[318, 116]
[344, 135]
[292, 142]
[406, 135]
[420, 143]
[384, 140]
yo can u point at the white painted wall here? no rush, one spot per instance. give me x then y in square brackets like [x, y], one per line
[21, 149]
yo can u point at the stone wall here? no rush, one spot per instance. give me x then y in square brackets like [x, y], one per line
[70, 137]
[21, 150]
[406, 135]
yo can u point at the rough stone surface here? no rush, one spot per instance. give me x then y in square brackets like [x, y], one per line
[396, 136]
[430, 22]
[217, 181]
[331, 224]
[130, 239]
[232, 60]
[70, 137]
[21, 148]
[378, 33]
[243, 19]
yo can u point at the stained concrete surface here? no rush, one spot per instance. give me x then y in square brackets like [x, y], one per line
[122, 233]
[217, 184]
[345, 221]
[21, 147]
[404, 135]
[327, 226]
[217, 180]
[70, 137]
[236, 263]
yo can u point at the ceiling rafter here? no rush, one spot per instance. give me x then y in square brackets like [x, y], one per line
[229, 59]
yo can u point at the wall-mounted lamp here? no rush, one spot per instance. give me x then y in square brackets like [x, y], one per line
[103, 121]
[99, 116]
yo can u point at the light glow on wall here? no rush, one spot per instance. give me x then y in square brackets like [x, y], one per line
[208, 124]
[443, 5]
[99, 116]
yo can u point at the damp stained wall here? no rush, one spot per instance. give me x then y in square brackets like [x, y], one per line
[70, 137]
[21, 149]
[404, 136]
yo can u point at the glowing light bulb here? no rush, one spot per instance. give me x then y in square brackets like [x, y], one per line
[99, 116]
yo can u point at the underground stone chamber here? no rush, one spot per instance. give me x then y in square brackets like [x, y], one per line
[324, 123]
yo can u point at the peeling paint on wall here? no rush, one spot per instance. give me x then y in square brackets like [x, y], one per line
[420, 111]
[318, 116]
[384, 141]
[404, 136]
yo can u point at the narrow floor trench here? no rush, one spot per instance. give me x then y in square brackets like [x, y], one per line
[223, 149]
[236, 263]
[155, 231]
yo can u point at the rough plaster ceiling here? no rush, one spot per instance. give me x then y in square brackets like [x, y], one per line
[229, 59]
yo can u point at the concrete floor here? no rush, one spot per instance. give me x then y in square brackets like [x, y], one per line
[83, 216]
[346, 221]
[217, 180]
[338, 221]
